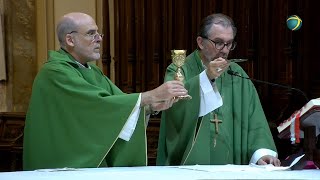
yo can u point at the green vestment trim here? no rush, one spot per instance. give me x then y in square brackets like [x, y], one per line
[75, 116]
[187, 139]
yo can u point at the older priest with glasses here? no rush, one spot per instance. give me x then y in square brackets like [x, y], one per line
[77, 117]
[224, 122]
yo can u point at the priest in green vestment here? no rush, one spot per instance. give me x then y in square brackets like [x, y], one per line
[224, 122]
[77, 117]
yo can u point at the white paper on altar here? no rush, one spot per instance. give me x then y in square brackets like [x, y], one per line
[58, 169]
[237, 168]
[271, 167]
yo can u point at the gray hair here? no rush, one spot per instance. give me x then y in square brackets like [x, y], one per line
[64, 27]
[219, 19]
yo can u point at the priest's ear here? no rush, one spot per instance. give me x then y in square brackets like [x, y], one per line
[69, 40]
[200, 42]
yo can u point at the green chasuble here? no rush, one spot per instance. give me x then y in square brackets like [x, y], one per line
[74, 119]
[186, 139]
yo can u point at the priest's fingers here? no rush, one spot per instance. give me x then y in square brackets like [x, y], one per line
[171, 101]
[275, 161]
[164, 92]
[169, 90]
[216, 67]
[174, 86]
[261, 162]
[269, 160]
[174, 82]
[175, 99]
[159, 106]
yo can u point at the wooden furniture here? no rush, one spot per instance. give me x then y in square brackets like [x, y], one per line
[11, 140]
[153, 136]
[310, 124]
[310, 145]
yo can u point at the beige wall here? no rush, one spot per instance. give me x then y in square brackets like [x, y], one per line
[2, 51]
[30, 33]
[20, 59]
[48, 14]
[112, 42]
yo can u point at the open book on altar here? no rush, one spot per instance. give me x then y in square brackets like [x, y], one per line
[308, 115]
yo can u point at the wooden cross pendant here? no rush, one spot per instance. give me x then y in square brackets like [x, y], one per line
[216, 122]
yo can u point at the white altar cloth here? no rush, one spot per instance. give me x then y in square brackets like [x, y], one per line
[162, 172]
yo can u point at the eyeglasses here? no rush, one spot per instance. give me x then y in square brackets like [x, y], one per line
[220, 45]
[93, 36]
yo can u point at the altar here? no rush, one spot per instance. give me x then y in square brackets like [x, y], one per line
[163, 172]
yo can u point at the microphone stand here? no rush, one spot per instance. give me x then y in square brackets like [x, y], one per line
[233, 73]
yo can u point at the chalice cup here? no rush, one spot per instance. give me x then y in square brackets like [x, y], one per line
[178, 59]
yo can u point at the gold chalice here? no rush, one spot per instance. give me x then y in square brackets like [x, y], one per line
[178, 59]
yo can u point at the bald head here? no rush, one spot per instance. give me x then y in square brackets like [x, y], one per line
[70, 22]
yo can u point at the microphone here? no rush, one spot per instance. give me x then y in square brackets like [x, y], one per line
[233, 73]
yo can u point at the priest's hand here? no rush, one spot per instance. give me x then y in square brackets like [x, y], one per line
[163, 105]
[162, 97]
[216, 67]
[267, 159]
